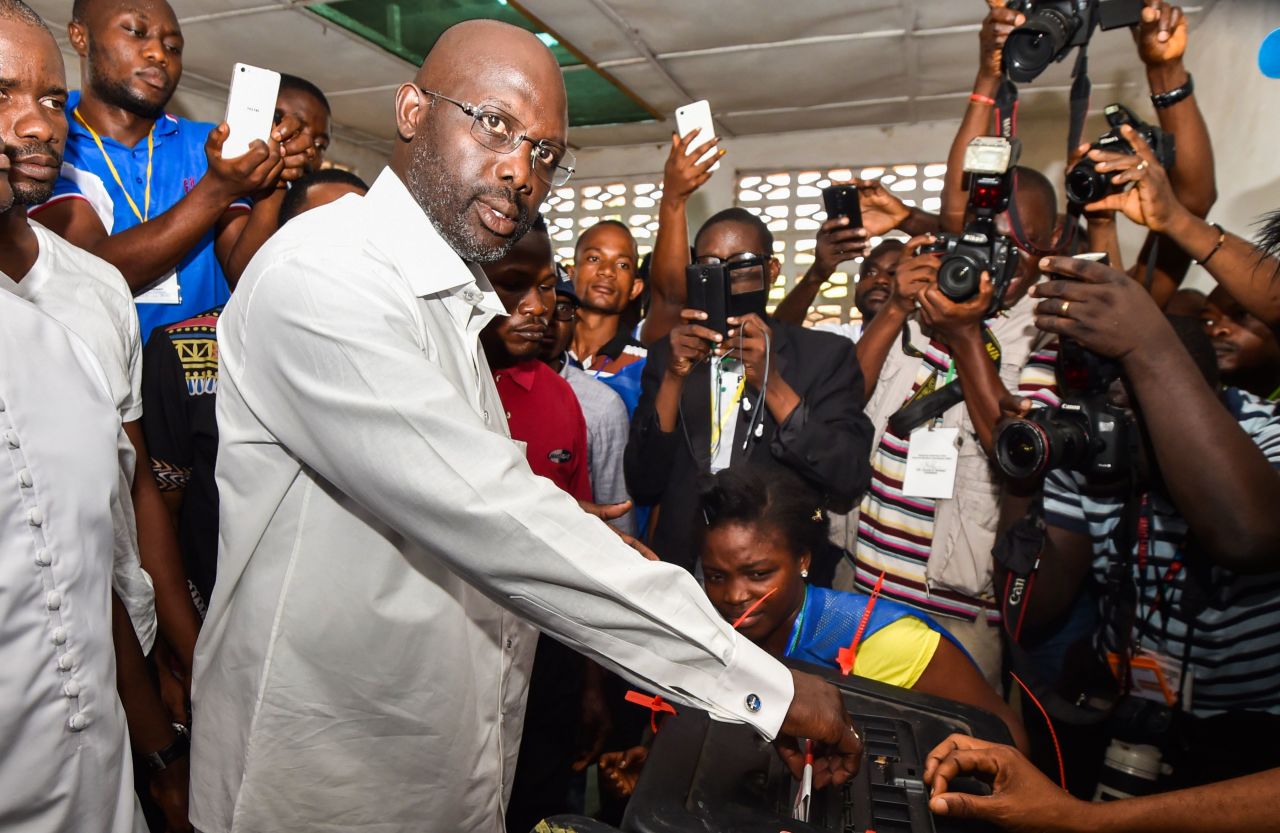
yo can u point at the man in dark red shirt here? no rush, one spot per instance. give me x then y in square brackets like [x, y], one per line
[543, 413]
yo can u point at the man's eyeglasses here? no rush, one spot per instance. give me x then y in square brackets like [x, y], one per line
[500, 131]
[565, 310]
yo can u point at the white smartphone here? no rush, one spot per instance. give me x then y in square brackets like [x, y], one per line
[697, 116]
[251, 107]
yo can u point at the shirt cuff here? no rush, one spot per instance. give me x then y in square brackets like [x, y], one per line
[754, 689]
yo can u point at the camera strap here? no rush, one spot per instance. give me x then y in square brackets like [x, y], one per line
[930, 401]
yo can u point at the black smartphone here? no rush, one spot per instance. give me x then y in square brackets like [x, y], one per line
[708, 290]
[842, 201]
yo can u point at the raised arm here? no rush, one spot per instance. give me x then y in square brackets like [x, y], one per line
[915, 273]
[836, 243]
[682, 176]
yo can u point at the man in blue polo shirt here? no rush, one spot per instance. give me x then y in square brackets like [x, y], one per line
[144, 190]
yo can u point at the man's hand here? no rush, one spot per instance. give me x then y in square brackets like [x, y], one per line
[952, 321]
[611, 512]
[1151, 201]
[915, 274]
[297, 147]
[245, 175]
[691, 343]
[750, 341]
[1022, 799]
[619, 771]
[996, 27]
[882, 212]
[817, 712]
[683, 173]
[836, 243]
[169, 788]
[1102, 308]
[1162, 35]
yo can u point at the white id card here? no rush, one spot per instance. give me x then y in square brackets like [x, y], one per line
[931, 463]
[165, 291]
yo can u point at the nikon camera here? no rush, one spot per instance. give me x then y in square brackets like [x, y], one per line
[988, 161]
[1085, 184]
[1054, 27]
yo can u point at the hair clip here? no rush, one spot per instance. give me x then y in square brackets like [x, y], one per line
[817, 515]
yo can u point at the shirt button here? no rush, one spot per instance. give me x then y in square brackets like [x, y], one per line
[753, 702]
[11, 437]
[138, 179]
[509, 643]
[43, 558]
[71, 689]
[471, 296]
[485, 414]
[24, 478]
[78, 721]
[34, 516]
[53, 600]
[59, 636]
[66, 662]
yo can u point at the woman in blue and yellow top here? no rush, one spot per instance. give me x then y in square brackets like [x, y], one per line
[761, 528]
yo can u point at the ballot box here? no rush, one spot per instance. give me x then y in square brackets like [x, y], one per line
[713, 777]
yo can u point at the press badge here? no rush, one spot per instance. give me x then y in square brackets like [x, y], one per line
[932, 457]
[1154, 676]
[166, 291]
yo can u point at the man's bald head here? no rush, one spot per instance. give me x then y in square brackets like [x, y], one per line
[481, 200]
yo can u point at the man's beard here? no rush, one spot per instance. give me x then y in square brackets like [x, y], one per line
[33, 193]
[447, 204]
[119, 93]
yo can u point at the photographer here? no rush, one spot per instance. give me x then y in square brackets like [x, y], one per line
[935, 552]
[1188, 555]
[786, 396]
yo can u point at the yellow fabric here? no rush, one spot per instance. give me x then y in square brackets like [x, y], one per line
[897, 654]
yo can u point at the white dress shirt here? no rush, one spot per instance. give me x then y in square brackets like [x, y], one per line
[90, 298]
[65, 765]
[384, 544]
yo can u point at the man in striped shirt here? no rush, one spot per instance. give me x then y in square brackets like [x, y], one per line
[935, 553]
[1194, 548]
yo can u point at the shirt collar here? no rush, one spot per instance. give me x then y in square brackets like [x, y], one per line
[166, 125]
[523, 374]
[401, 230]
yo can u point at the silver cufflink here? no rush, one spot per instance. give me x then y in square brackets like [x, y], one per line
[753, 703]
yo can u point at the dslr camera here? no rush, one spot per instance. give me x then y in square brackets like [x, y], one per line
[988, 161]
[1085, 184]
[1054, 27]
[1086, 433]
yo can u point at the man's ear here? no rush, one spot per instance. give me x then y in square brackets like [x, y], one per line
[411, 107]
[79, 37]
[805, 562]
[637, 287]
[774, 268]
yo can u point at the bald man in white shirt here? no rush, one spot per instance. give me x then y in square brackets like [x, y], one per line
[385, 550]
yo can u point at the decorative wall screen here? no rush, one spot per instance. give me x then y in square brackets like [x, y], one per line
[572, 209]
[791, 203]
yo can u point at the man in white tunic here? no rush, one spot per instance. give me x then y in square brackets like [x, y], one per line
[65, 765]
[384, 546]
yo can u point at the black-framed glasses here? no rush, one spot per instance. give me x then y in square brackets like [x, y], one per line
[500, 131]
[565, 309]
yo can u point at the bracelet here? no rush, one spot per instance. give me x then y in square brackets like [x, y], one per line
[161, 759]
[1222, 236]
[1163, 101]
[982, 99]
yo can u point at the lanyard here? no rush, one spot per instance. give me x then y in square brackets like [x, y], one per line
[145, 214]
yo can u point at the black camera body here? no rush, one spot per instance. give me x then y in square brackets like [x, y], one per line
[1086, 433]
[978, 248]
[1054, 27]
[1085, 184]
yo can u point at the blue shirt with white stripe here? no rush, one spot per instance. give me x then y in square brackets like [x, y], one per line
[178, 163]
[1236, 637]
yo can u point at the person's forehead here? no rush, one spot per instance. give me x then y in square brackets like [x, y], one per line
[154, 11]
[29, 54]
[883, 258]
[730, 237]
[607, 238]
[301, 101]
[498, 81]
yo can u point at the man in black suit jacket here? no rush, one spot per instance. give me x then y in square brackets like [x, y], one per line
[810, 420]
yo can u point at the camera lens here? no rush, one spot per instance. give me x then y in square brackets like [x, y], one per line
[960, 276]
[1085, 184]
[1022, 449]
[1033, 46]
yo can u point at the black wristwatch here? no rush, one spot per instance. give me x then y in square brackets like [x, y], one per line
[161, 759]
[1172, 97]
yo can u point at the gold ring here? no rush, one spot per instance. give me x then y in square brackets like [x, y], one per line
[1063, 312]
